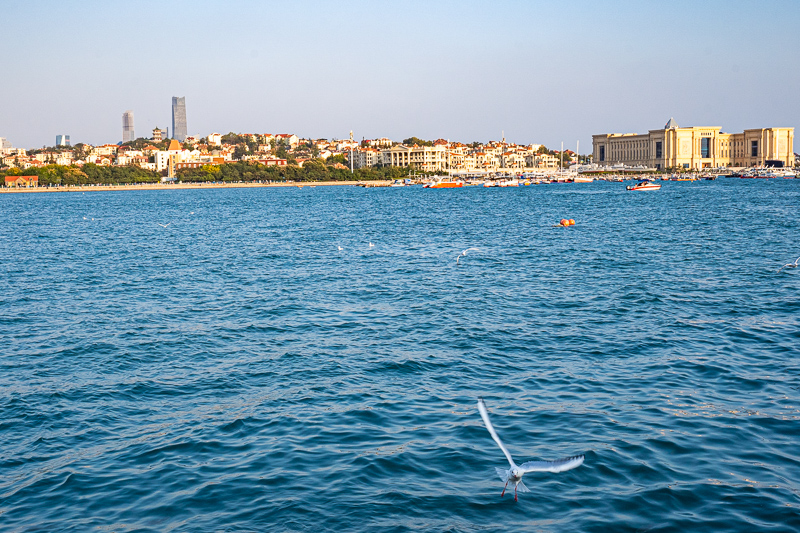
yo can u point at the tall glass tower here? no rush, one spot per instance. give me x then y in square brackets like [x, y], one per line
[127, 127]
[179, 118]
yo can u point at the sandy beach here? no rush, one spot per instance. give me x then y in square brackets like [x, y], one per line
[174, 186]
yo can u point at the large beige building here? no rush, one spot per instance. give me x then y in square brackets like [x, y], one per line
[696, 148]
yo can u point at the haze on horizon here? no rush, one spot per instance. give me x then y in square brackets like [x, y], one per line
[541, 72]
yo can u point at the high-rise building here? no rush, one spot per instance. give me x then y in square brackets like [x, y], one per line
[4, 144]
[62, 140]
[179, 118]
[127, 126]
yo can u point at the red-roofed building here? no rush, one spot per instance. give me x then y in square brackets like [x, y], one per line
[270, 162]
[22, 181]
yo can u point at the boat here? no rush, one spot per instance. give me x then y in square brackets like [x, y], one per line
[583, 179]
[644, 185]
[443, 184]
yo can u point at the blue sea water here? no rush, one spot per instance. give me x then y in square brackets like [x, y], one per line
[236, 371]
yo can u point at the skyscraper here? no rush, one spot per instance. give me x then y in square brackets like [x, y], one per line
[62, 140]
[179, 118]
[127, 126]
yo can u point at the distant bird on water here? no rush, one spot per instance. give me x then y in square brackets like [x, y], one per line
[340, 248]
[464, 253]
[371, 245]
[516, 472]
[790, 265]
[164, 225]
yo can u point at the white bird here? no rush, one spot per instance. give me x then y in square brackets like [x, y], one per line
[464, 253]
[164, 225]
[340, 248]
[371, 245]
[516, 472]
[84, 218]
[790, 265]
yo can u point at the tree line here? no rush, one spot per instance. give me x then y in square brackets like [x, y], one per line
[313, 170]
[246, 171]
[88, 174]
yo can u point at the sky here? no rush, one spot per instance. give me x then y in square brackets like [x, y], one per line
[534, 71]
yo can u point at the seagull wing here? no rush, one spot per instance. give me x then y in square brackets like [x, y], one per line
[492, 432]
[559, 465]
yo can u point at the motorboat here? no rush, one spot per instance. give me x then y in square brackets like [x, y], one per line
[443, 184]
[644, 185]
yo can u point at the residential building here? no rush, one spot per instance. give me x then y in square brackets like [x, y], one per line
[62, 140]
[428, 158]
[291, 140]
[179, 130]
[127, 127]
[367, 157]
[695, 148]
[215, 139]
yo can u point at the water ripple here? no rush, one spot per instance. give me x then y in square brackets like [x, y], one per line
[236, 371]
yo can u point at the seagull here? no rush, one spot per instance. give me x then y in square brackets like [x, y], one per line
[790, 265]
[164, 225]
[340, 248]
[516, 472]
[371, 245]
[464, 253]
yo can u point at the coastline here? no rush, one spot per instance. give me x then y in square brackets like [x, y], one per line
[175, 186]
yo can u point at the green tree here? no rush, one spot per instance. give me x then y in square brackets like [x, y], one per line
[239, 152]
[417, 141]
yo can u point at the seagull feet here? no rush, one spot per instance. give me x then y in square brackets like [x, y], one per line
[515, 493]
[504, 490]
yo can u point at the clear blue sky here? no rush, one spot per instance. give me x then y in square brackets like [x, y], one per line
[543, 72]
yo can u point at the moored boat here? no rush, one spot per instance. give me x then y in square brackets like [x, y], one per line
[442, 184]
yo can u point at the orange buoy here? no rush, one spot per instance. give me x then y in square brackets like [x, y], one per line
[564, 222]
[572, 222]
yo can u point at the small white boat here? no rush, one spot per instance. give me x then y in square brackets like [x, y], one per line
[644, 185]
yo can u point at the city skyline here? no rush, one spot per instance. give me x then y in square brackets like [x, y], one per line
[540, 72]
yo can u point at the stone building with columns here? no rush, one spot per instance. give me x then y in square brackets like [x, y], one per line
[696, 148]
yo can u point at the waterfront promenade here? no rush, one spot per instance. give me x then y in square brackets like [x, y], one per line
[173, 186]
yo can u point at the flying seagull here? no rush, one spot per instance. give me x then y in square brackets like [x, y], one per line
[464, 253]
[790, 265]
[516, 472]
[164, 225]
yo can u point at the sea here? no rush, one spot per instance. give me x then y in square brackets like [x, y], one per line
[310, 359]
